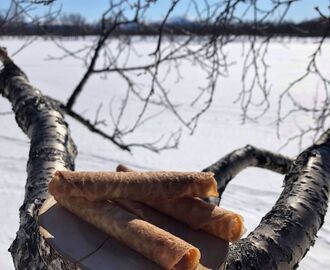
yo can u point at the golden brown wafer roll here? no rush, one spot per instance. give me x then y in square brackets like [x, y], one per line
[208, 245]
[139, 186]
[160, 246]
[198, 214]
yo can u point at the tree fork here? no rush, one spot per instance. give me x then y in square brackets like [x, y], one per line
[286, 233]
[280, 241]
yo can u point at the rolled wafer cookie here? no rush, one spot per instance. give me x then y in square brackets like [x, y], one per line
[197, 214]
[158, 245]
[139, 186]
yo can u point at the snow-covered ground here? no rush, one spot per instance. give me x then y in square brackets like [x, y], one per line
[252, 193]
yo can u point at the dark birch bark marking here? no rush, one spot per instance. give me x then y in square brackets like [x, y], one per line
[51, 149]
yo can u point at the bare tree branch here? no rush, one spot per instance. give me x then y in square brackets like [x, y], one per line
[116, 138]
[319, 111]
[233, 163]
[106, 31]
[286, 233]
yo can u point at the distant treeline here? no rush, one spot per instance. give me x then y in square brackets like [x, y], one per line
[311, 28]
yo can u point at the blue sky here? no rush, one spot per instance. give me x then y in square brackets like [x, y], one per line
[91, 9]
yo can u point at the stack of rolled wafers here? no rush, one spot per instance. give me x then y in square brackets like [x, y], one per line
[115, 202]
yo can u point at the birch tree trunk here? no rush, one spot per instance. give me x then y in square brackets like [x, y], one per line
[51, 149]
[280, 241]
